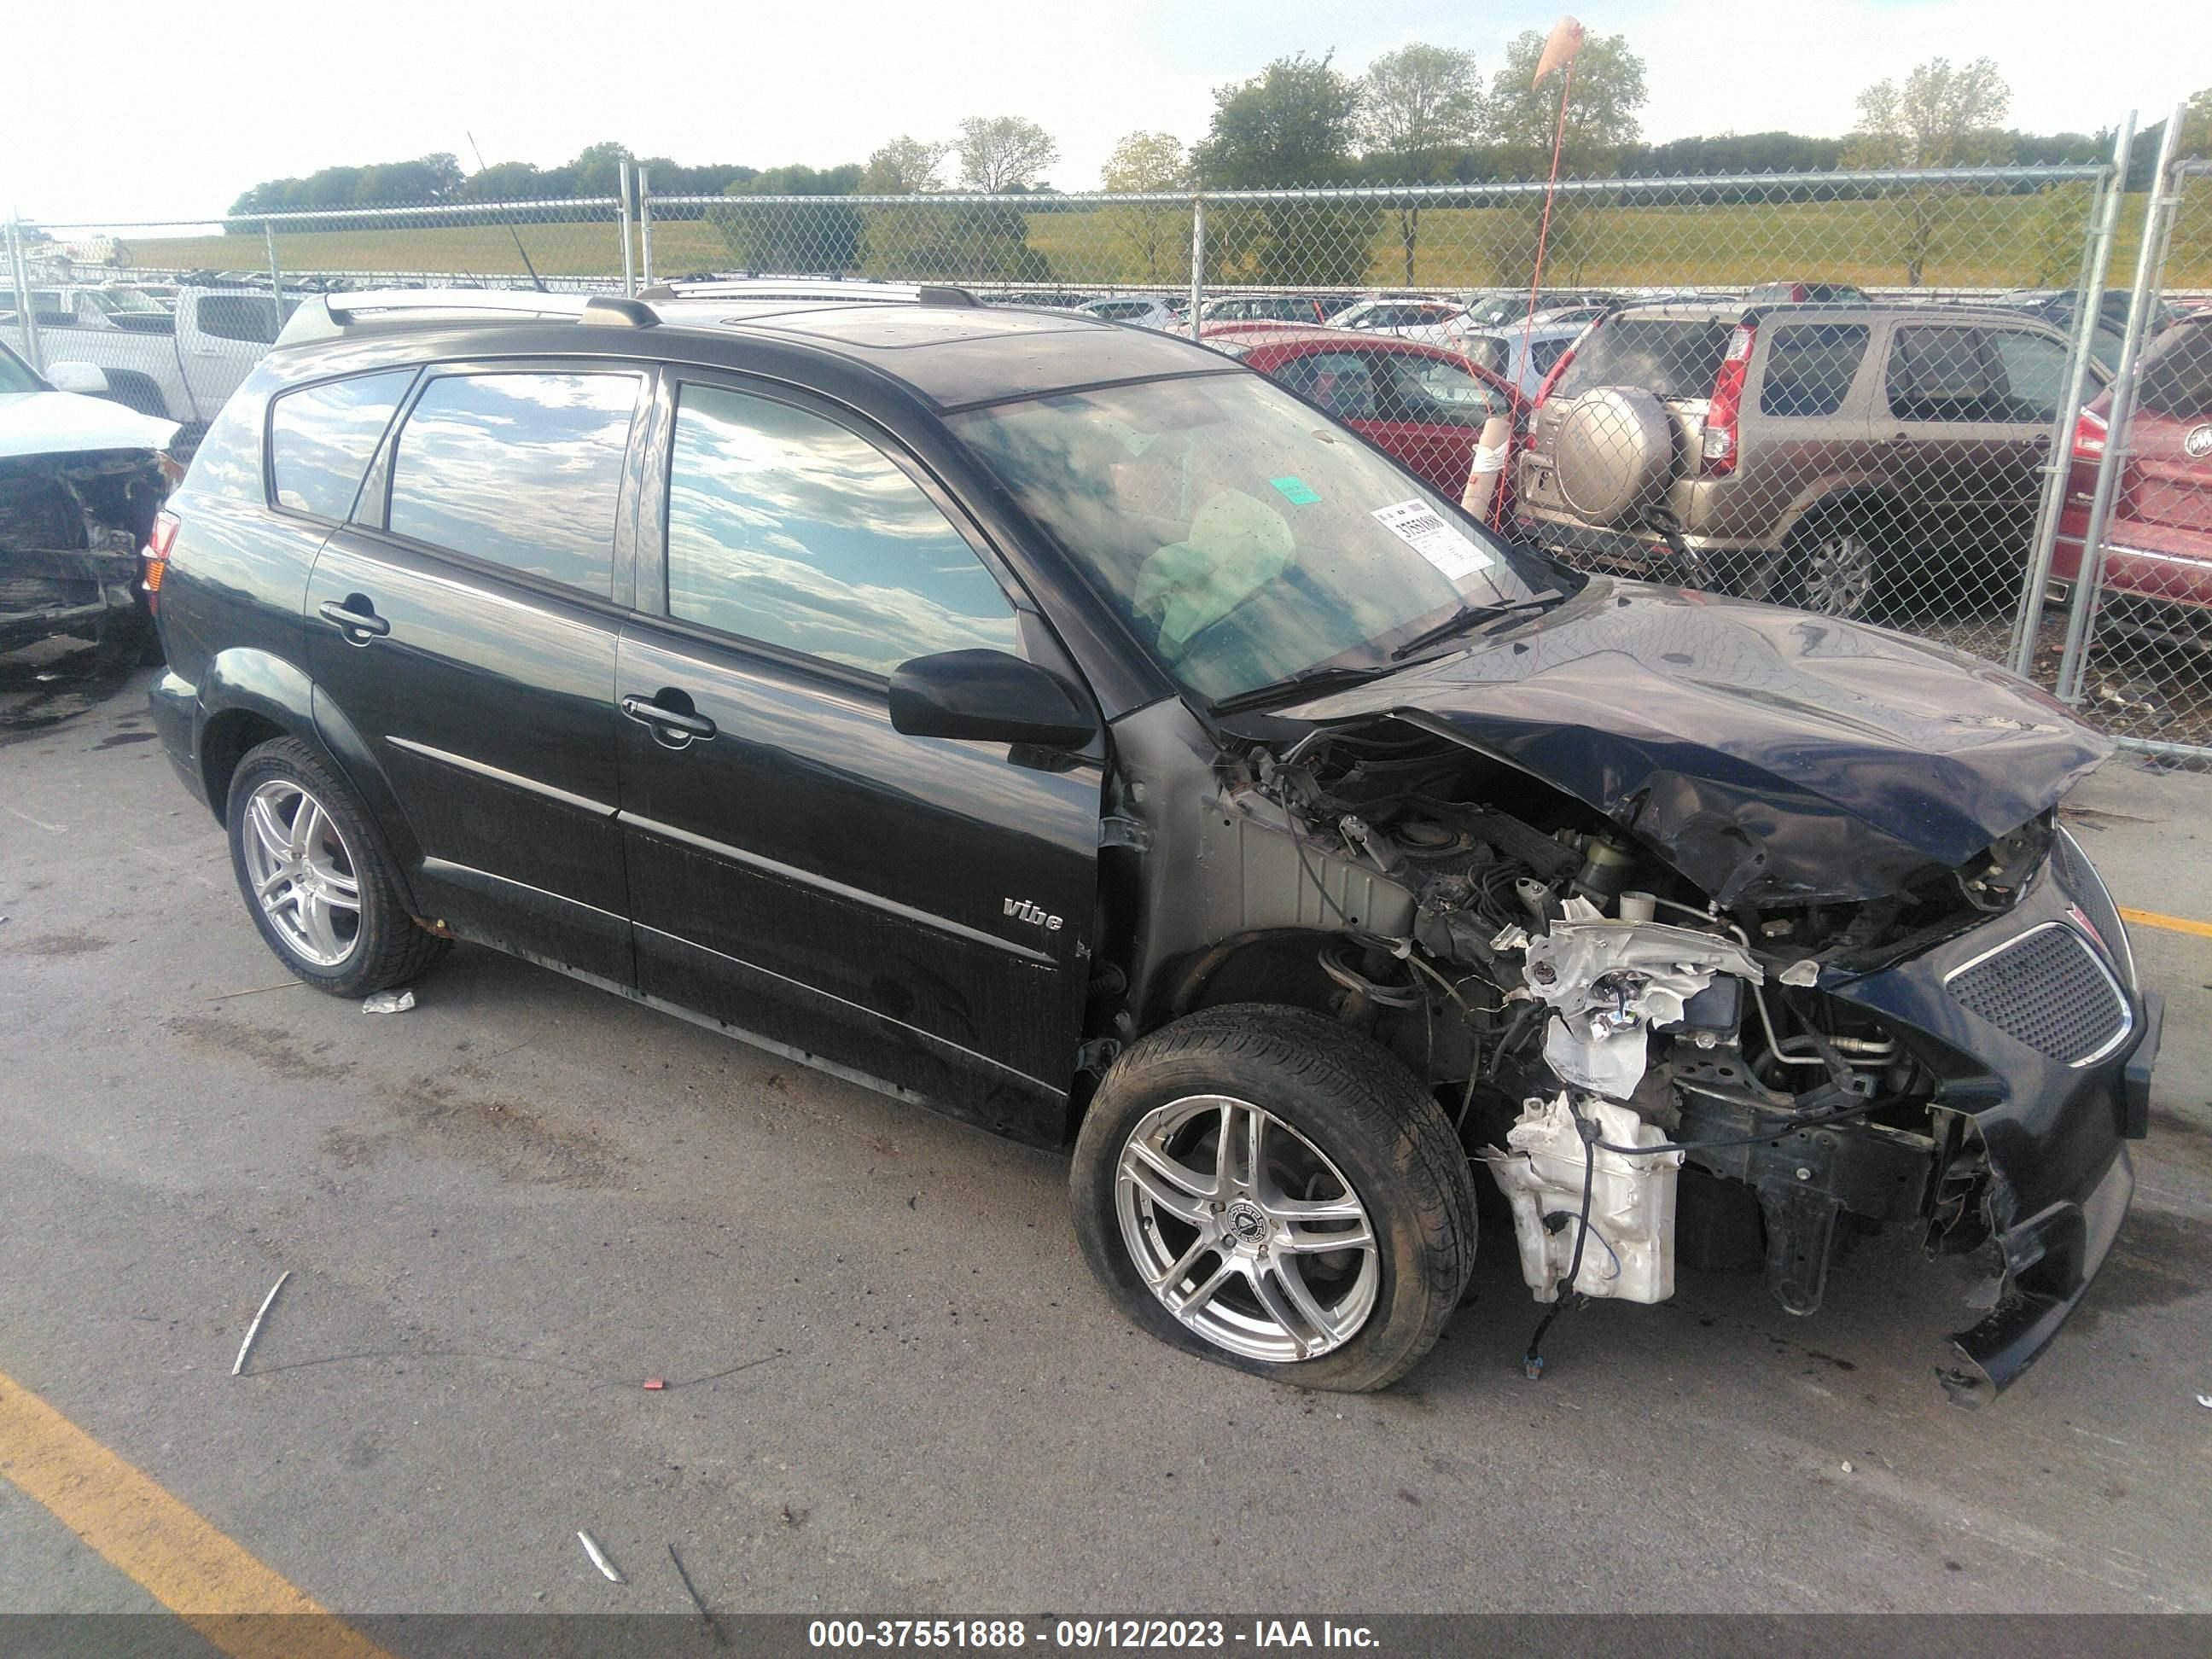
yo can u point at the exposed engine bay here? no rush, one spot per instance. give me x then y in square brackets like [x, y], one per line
[72, 526]
[1644, 1072]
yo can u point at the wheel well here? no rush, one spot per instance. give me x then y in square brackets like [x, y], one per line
[226, 741]
[1276, 965]
[1868, 508]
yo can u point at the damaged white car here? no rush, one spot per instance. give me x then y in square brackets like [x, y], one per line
[80, 479]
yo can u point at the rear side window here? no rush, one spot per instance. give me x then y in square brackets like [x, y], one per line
[1810, 367]
[2032, 375]
[1433, 393]
[1340, 383]
[1667, 358]
[1942, 374]
[321, 437]
[2177, 375]
[786, 528]
[520, 470]
[245, 317]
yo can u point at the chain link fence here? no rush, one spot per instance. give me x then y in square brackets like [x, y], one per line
[2139, 491]
[1868, 394]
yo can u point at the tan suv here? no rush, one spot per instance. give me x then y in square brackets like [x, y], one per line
[1837, 458]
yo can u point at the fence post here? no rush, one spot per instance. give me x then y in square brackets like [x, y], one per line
[1197, 262]
[24, 312]
[629, 252]
[276, 272]
[2091, 576]
[645, 222]
[2058, 466]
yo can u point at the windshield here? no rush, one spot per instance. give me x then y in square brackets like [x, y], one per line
[1241, 535]
[16, 374]
[115, 300]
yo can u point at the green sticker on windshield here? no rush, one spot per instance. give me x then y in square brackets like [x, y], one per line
[1296, 491]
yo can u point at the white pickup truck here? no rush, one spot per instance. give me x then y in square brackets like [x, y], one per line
[180, 365]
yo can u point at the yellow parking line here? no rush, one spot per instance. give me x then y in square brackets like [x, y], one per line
[210, 1582]
[2172, 924]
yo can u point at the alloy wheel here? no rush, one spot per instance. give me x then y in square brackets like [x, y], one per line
[1840, 575]
[1245, 1231]
[303, 872]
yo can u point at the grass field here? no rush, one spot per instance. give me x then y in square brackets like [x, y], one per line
[1971, 242]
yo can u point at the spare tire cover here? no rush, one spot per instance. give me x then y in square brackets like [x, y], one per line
[1614, 451]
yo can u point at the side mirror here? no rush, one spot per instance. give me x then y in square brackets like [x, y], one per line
[988, 696]
[89, 379]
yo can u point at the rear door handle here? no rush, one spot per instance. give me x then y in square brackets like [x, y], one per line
[674, 722]
[359, 622]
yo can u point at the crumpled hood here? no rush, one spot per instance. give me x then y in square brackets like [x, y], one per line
[1770, 755]
[64, 424]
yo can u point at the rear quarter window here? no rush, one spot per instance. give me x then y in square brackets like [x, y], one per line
[1810, 367]
[520, 470]
[321, 437]
[1667, 357]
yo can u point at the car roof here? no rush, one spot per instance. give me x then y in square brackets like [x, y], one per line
[952, 355]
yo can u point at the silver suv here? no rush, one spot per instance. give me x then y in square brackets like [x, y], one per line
[1840, 458]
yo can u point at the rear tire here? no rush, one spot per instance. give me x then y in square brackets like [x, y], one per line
[1237, 1262]
[1833, 569]
[314, 876]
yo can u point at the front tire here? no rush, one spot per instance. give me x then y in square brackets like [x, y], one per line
[1264, 1188]
[313, 876]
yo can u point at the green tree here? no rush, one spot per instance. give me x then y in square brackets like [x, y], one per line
[2196, 140]
[1294, 122]
[904, 167]
[784, 236]
[1003, 153]
[1417, 105]
[597, 170]
[1603, 115]
[1521, 122]
[1944, 115]
[1142, 163]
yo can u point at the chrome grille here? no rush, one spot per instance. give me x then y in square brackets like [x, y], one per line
[2050, 990]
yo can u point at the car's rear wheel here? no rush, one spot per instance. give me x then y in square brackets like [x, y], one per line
[314, 877]
[1832, 569]
[1261, 1186]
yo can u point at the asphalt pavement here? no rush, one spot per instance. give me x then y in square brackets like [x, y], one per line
[889, 1382]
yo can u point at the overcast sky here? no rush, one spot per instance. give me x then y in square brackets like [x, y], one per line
[169, 110]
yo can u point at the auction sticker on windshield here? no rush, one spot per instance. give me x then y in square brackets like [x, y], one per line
[1416, 524]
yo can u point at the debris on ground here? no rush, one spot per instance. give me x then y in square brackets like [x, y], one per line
[599, 1559]
[254, 1329]
[654, 1384]
[2205, 1401]
[389, 1002]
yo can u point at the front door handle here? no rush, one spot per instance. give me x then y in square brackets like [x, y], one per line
[679, 725]
[355, 617]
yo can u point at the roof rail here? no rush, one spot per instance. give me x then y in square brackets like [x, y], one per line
[324, 317]
[866, 290]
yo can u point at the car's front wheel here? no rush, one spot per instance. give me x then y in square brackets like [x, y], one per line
[314, 878]
[1263, 1187]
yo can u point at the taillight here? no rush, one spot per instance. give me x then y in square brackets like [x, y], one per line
[2090, 432]
[1558, 372]
[156, 555]
[1727, 402]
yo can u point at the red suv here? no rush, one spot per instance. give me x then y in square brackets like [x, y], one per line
[2158, 543]
[1424, 404]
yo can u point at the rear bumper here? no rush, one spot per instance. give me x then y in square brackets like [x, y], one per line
[2046, 1140]
[44, 593]
[174, 707]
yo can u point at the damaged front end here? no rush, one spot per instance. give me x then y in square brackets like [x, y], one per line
[1843, 1024]
[71, 529]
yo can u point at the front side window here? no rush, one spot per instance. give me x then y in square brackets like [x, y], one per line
[786, 528]
[2177, 374]
[1810, 367]
[1239, 537]
[2033, 368]
[522, 470]
[321, 437]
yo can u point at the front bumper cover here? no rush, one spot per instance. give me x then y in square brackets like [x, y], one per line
[2053, 1135]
